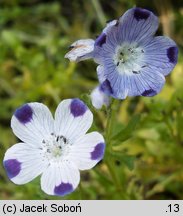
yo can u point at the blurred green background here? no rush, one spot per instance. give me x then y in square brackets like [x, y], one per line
[34, 37]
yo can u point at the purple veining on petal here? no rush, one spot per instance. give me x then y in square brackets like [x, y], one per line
[140, 14]
[98, 151]
[149, 93]
[77, 107]
[12, 167]
[24, 114]
[172, 54]
[63, 189]
[101, 39]
[106, 87]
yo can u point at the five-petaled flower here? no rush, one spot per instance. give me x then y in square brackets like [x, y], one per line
[132, 60]
[57, 149]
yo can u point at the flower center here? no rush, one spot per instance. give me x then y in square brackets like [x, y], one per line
[55, 148]
[128, 59]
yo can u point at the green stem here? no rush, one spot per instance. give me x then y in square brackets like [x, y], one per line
[81, 191]
[169, 125]
[108, 135]
[99, 11]
[110, 120]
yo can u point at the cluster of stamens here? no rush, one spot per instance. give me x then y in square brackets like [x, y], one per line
[55, 147]
[127, 59]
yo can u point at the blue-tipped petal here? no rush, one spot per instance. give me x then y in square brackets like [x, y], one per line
[88, 150]
[148, 83]
[136, 25]
[63, 189]
[23, 162]
[60, 178]
[161, 54]
[72, 118]
[31, 122]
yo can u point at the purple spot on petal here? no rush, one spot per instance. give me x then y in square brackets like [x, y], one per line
[172, 54]
[77, 107]
[101, 39]
[149, 93]
[98, 152]
[24, 114]
[141, 14]
[12, 167]
[63, 189]
[106, 87]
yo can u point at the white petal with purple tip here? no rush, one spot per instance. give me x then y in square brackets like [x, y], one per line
[72, 119]
[32, 123]
[60, 179]
[23, 163]
[87, 151]
[99, 98]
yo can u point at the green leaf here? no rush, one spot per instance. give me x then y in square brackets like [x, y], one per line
[127, 160]
[126, 132]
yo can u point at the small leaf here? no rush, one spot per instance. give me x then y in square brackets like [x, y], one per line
[128, 160]
[126, 132]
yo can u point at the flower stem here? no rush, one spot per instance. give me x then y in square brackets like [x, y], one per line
[110, 121]
[108, 135]
[99, 11]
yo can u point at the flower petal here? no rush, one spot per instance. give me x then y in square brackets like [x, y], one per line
[81, 50]
[100, 73]
[109, 25]
[32, 123]
[23, 163]
[60, 179]
[147, 83]
[119, 84]
[162, 54]
[99, 98]
[101, 39]
[136, 24]
[87, 151]
[72, 119]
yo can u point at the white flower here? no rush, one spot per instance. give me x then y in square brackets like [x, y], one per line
[57, 149]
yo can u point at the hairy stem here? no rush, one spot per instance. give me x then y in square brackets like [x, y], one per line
[108, 135]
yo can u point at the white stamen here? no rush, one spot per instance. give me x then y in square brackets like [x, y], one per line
[128, 58]
[55, 148]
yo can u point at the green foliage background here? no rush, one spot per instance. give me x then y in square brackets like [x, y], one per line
[34, 37]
